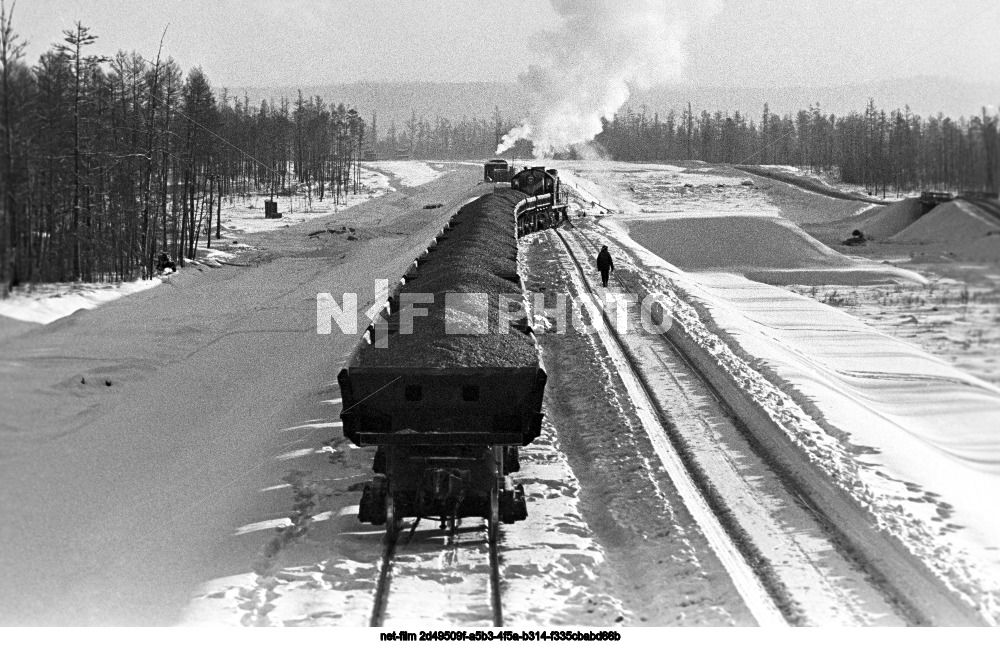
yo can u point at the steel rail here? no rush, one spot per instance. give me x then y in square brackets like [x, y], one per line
[495, 596]
[383, 584]
[747, 582]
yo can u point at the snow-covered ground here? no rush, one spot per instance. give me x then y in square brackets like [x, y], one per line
[947, 318]
[909, 437]
[145, 443]
[410, 173]
[656, 191]
[327, 577]
[245, 214]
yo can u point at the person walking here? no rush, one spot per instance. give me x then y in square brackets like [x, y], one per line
[605, 264]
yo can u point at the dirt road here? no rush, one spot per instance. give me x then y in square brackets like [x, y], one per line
[136, 437]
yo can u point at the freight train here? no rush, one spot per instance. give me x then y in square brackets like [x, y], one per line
[444, 386]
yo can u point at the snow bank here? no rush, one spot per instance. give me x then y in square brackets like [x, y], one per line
[49, 302]
[824, 183]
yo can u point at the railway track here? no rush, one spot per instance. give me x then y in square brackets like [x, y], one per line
[464, 555]
[749, 585]
[988, 206]
[777, 550]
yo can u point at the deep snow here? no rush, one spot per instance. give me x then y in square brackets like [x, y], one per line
[45, 303]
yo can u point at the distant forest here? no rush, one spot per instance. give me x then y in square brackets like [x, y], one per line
[107, 162]
[895, 151]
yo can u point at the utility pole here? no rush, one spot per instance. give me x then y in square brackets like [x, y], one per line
[218, 212]
[211, 186]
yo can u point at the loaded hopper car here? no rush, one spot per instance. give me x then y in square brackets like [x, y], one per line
[445, 387]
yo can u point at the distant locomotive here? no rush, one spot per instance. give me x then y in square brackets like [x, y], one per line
[537, 181]
[545, 207]
[497, 170]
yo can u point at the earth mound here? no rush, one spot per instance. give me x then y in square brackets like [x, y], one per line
[890, 220]
[953, 222]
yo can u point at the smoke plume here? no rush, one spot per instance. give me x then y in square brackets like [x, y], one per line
[591, 59]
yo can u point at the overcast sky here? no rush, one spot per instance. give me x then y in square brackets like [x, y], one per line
[313, 42]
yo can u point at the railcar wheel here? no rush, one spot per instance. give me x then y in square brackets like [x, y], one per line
[392, 522]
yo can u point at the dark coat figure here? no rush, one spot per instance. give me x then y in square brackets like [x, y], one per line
[857, 239]
[163, 262]
[605, 264]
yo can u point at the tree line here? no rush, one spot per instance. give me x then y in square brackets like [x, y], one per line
[883, 151]
[895, 151]
[106, 162]
[443, 138]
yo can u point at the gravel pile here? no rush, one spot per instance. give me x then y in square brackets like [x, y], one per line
[477, 255]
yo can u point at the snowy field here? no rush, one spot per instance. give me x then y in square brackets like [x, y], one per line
[948, 318]
[908, 436]
[408, 173]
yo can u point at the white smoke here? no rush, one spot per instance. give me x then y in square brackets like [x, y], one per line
[590, 61]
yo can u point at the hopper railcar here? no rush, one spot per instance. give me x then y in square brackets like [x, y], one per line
[448, 411]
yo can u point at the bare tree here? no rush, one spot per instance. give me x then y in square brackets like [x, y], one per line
[11, 51]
